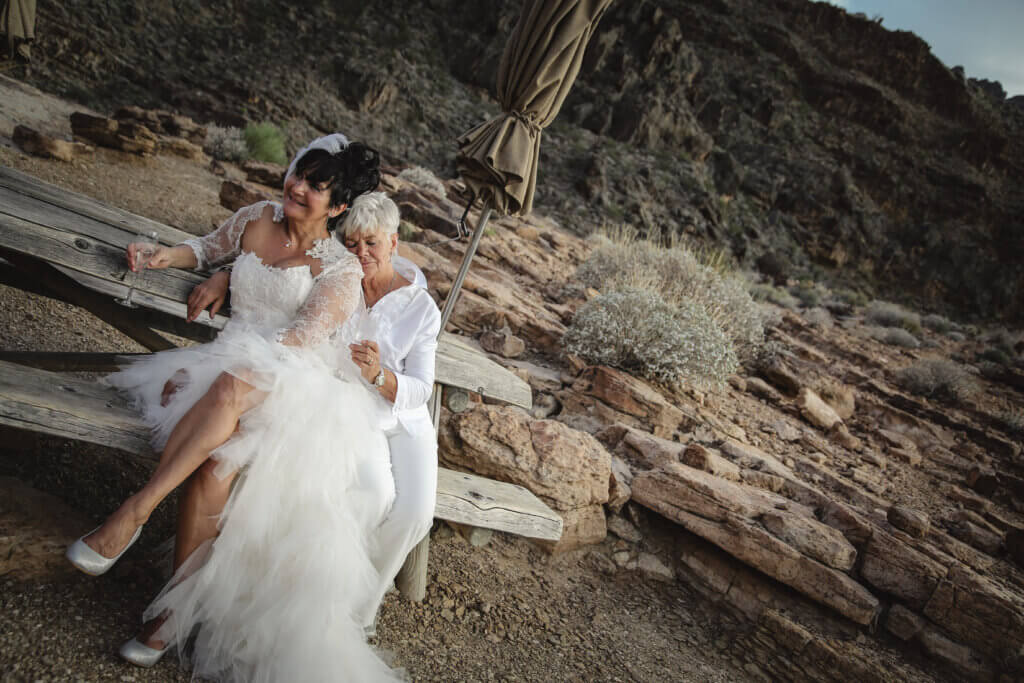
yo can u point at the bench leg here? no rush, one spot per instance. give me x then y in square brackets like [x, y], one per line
[412, 578]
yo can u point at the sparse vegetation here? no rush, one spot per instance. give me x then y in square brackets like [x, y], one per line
[659, 299]
[850, 297]
[894, 336]
[1012, 419]
[996, 355]
[939, 378]
[807, 292]
[424, 178]
[225, 143]
[265, 142]
[820, 318]
[938, 323]
[774, 295]
[639, 332]
[892, 315]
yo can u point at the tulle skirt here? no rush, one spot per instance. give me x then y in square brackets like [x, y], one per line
[275, 596]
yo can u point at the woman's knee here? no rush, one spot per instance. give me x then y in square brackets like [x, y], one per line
[227, 391]
[206, 480]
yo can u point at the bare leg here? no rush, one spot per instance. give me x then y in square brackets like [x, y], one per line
[199, 508]
[207, 424]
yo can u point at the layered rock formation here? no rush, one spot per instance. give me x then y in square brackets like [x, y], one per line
[805, 139]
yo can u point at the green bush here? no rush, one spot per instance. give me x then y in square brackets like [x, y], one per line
[639, 332]
[996, 355]
[265, 142]
[850, 297]
[807, 293]
[775, 295]
[424, 178]
[225, 143]
[892, 315]
[621, 260]
[939, 378]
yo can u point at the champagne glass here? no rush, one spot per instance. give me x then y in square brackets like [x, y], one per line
[146, 244]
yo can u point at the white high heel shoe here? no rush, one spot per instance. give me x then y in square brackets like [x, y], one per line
[139, 654]
[91, 562]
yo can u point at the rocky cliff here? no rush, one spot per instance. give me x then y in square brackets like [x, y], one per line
[804, 139]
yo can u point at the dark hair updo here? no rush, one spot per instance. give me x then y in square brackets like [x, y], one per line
[351, 172]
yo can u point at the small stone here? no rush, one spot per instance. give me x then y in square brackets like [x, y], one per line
[816, 411]
[621, 558]
[624, 529]
[903, 623]
[656, 570]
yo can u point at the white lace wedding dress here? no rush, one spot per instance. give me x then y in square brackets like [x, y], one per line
[274, 595]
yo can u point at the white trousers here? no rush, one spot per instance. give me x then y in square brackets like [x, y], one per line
[414, 467]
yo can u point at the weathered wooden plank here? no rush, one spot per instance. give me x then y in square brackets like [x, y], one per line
[84, 410]
[460, 365]
[71, 408]
[477, 501]
[60, 361]
[84, 206]
[98, 263]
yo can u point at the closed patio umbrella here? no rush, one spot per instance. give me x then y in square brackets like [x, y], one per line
[498, 159]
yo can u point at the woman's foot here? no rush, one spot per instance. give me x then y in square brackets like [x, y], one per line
[114, 536]
[98, 551]
[145, 649]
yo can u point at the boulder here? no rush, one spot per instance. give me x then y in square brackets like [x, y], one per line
[618, 484]
[181, 147]
[567, 469]
[164, 123]
[37, 144]
[503, 343]
[816, 411]
[954, 655]
[235, 195]
[978, 612]
[976, 536]
[894, 567]
[634, 397]
[812, 538]
[701, 458]
[624, 529]
[910, 521]
[654, 569]
[264, 172]
[128, 137]
[903, 623]
[724, 513]
[758, 387]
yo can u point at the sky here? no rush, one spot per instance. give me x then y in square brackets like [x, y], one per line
[983, 36]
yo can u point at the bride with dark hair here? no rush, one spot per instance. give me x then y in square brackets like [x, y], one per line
[277, 595]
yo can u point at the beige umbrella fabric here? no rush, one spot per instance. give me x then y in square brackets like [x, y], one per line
[498, 159]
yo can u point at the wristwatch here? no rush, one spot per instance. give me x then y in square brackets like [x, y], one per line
[380, 378]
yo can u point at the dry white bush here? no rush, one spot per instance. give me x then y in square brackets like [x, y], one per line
[892, 315]
[225, 143]
[940, 378]
[424, 178]
[820, 318]
[893, 336]
[620, 261]
[637, 331]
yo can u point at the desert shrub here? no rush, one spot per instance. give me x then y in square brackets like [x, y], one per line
[892, 315]
[225, 143]
[938, 323]
[807, 293]
[939, 378]
[1002, 339]
[774, 295]
[894, 336]
[850, 297]
[265, 142]
[620, 260]
[639, 332]
[997, 355]
[424, 178]
[956, 336]
[819, 317]
[1013, 420]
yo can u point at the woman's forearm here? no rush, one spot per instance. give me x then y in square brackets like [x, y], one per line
[181, 256]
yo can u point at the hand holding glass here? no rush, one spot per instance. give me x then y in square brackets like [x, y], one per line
[139, 254]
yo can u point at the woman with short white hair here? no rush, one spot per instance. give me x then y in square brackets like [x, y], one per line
[397, 332]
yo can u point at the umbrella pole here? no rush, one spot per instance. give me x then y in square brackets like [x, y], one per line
[412, 578]
[453, 294]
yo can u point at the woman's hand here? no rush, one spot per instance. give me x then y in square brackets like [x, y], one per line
[366, 354]
[160, 256]
[211, 294]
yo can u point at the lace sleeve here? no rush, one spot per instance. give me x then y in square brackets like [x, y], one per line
[334, 297]
[224, 244]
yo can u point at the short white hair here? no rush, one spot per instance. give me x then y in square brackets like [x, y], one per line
[371, 212]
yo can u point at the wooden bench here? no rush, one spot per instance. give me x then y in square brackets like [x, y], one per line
[70, 247]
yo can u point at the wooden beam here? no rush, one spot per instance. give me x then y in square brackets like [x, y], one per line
[58, 361]
[102, 307]
[73, 408]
